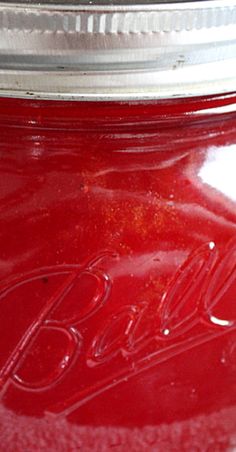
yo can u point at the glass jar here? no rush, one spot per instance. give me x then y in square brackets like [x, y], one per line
[118, 273]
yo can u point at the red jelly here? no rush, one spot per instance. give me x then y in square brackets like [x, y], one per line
[118, 275]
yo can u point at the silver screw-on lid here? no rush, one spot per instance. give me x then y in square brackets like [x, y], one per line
[117, 50]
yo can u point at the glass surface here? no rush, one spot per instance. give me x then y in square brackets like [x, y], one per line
[118, 275]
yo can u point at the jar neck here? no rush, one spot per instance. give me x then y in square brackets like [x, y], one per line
[74, 115]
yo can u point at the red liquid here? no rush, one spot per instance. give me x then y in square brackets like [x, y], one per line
[118, 276]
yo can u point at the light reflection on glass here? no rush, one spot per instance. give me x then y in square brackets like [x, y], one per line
[219, 170]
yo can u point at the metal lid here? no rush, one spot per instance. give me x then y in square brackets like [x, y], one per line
[117, 50]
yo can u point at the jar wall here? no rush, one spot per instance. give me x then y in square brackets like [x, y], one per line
[118, 274]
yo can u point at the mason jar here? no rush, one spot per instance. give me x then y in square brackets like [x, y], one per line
[118, 225]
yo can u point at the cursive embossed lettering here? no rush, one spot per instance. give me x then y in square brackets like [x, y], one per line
[196, 307]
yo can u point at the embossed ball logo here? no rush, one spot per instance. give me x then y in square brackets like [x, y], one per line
[54, 324]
